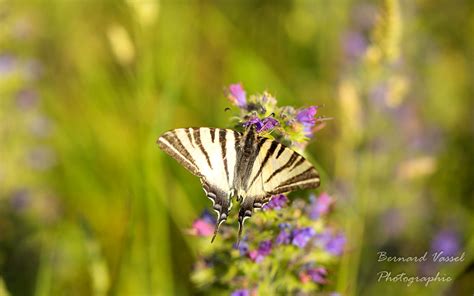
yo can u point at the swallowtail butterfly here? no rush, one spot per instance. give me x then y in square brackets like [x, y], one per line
[231, 164]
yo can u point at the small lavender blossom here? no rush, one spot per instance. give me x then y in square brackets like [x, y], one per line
[243, 246]
[7, 64]
[446, 241]
[302, 236]
[269, 123]
[320, 206]
[20, 199]
[354, 44]
[283, 238]
[277, 202]
[307, 115]
[265, 247]
[318, 275]
[262, 125]
[241, 292]
[26, 99]
[254, 120]
[336, 244]
[237, 95]
[208, 217]
[263, 250]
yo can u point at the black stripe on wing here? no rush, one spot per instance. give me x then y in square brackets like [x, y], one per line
[269, 153]
[223, 141]
[305, 180]
[197, 138]
[171, 144]
[290, 161]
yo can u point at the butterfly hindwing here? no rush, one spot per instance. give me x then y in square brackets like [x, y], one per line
[276, 169]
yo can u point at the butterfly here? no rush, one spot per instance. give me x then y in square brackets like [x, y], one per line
[231, 164]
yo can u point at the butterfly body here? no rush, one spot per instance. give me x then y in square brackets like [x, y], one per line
[247, 166]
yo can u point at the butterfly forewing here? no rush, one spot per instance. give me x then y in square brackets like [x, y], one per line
[209, 153]
[206, 152]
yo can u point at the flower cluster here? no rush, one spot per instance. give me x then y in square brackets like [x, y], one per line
[294, 235]
[291, 126]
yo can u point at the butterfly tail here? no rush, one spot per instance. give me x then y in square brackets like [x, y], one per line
[221, 204]
[245, 212]
[215, 233]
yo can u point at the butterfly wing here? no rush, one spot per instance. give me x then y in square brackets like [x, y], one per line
[276, 169]
[279, 169]
[210, 154]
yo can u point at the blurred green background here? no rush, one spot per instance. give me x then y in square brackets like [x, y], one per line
[90, 206]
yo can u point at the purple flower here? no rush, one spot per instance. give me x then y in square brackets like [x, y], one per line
[306, 116]
[319, 206]
[26, 99]
[268, 124]
[446, 241]
[243, 246]
[277, 202]
[263, 250]
[262, 125]
[332, 243]
[237, 95]
[318, 275]
[265, 247]
[208, 217]
[284, 237]
[241, 292]
[7, 64]
[20, 199]
[336, 244]
[302, 236]
[254, 120]
[354, 44]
